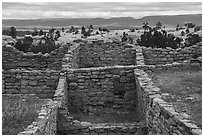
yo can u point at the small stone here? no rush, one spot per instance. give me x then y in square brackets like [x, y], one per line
[73, 84]
[33, 83]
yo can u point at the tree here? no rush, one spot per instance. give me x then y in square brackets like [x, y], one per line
[182, 33]
[13, 32]
[6, 32]
[189, 25]
[72, 29]
[62, 29]
[76, 31]
[99, 29]
[97, 32]
[57, 34]
[192, 39]
[52, 30]
[177, 27]
[87, 33]
[40, 32]
[90, 28]
[158, 25]
[187, 31]
[124, 38]
[83, 30]
[35, 32]
[145, 26]
[24, 45]
[197, 28]
[155, 38]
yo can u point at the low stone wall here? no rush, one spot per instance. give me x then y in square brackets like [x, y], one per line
[13, 59]
[103, 89]
[76, 127]
[154, 56]
[70, 59]
[170, 67]
[101, 54]
[161, 117]
[20, 81]
[47, 122]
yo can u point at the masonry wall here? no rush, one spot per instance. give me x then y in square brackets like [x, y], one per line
[101, 54]
[160, 116]
[154, 56]
[13, 59]
[41, 83]
[107, 89]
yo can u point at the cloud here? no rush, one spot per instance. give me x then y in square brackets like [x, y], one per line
[27, 10]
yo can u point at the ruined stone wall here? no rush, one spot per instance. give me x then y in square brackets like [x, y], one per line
[154, 56]
[47, 122]
[13, 59]
[41, 83]
[101, 54]
[70, 59]
[161, 117]
[104, 89]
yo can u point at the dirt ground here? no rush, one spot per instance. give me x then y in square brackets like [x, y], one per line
[183, 89]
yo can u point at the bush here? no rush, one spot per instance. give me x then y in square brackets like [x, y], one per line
[44, 48]
[157, 39]
[192, 39]
[26, 45]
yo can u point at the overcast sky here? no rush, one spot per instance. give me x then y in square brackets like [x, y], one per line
[23, 10]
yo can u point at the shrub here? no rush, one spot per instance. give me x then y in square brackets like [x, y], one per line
[97, 32]
[13, 32]
[26, 45]
[189, 25]
[44, 48]
[192, 39]
[182, 33]
[197, 28]
[157, 39]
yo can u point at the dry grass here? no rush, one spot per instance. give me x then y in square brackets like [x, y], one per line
[185, 91]
[18, 113]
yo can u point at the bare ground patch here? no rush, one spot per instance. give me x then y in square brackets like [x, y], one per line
[183, 89]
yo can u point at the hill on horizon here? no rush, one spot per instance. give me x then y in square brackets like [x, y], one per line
[117, 22]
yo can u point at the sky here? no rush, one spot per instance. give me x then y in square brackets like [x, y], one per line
[40, 10]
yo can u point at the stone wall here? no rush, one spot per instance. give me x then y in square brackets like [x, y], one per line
[70, 59]
[161, 117]
[13, 59]
[47, 122]
[39, 82]
[76, 127]
[101, 54]
[154, 56]
[105, 89]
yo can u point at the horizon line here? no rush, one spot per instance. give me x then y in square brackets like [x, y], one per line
[95, 17]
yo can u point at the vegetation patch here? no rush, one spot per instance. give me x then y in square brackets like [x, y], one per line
[18, 112]
[183, 89]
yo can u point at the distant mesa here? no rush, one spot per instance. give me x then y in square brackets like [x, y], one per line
[119, 22]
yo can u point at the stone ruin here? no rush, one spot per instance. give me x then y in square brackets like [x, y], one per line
[97, 78]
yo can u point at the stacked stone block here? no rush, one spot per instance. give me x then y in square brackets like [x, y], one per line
[161, 117]
[14, 59]
[105, 89]
[101, 54]
[41, 83]
[155, 56]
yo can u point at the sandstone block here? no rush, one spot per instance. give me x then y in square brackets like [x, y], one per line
[33, 83]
